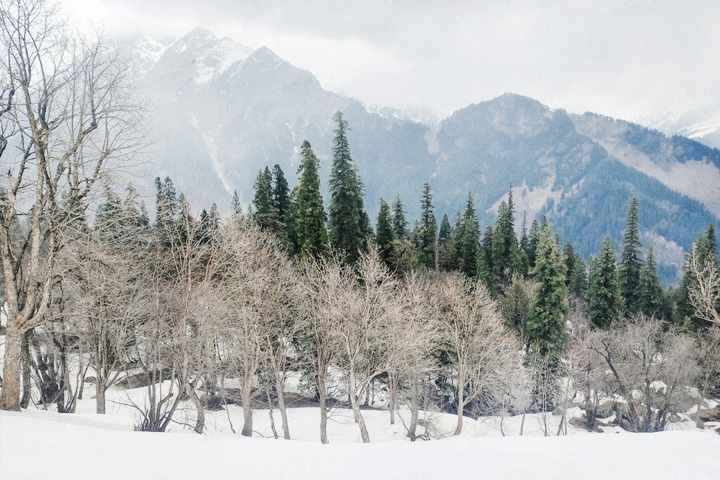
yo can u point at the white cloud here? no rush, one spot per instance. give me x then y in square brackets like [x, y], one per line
[625, 58]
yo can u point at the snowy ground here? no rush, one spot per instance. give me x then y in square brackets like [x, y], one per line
[38, 444]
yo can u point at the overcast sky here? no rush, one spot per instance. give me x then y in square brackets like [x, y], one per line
[625, 58]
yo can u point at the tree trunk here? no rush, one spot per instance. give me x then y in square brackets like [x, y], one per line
[322, 391]
[100, 395]
[392, 381]
[280, 387]
[461, 402]
[414, 409]
[355, 402]
[247, 409]
[26, 378]
[10, 397]
[200, 422]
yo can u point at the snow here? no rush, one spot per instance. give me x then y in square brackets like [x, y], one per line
[36, 444]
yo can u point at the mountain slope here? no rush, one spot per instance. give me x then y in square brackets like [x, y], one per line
[223, 112]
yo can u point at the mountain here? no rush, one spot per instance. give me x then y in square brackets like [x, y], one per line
[700, 124]
[224, 111]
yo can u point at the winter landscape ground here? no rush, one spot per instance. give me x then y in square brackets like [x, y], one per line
[37, 444]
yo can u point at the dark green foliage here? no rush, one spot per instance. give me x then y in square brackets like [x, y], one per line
[651, 298]
[385, 236]
[445, 230]
[427, 232]
[312, 237]
[505, 254]
[515, 306]
[167, 208]
[284, 205]
[545, 327]
[630, 261]
[576, 278]
[448, 245]
[604, 301]
[348, 225]
[484, 262]
[532, 243]
[469, 239]
[266, 214]
[398, 219]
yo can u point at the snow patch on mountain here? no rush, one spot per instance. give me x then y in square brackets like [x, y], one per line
[530, 201]
[212, 150]
[698, 179]
[667, 251]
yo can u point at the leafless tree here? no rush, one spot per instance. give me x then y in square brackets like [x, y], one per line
[650, 367]
[109, 293]
[65, 119]
[417, 333]
[258, 282]
[322, 282]
[483, 350]
[367, 313]
[705, 293]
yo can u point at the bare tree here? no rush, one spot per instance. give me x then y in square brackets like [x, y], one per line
[321, 281]
[418, 334]
[65, 118]
[705, 293]
[367, 310]
[650, 367]
[484, 352]
[258, 283]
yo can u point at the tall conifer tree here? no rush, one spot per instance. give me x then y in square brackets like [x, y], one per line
[399, 222]
[630, 261]
[604, 300]
[470, 239]
[266, 214]
[348, 225]
[545, 327]
[384, 236]
[650, 292]
[427, 234]
[312, 237]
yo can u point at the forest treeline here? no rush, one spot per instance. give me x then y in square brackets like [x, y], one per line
[205, 311]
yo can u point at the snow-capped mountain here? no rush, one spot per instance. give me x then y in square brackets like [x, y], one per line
[702, 125]
[224, 111]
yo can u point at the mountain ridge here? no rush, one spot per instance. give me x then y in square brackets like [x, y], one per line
[257, 110]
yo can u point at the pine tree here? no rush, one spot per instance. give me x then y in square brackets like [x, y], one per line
[470, 239]
[484, 262]
[427, 233]
[399, 222]
[236, 207]
[630, 262]
[283, 204]
[445, 230]
[532, 243]
[545, 328]
[266, 214]
[578, 281]
[505, 258]
[449, 244]
[348, 225]
[604, 300]
[312, 237]
[650, 292]
[167, 208]
[385, 236]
